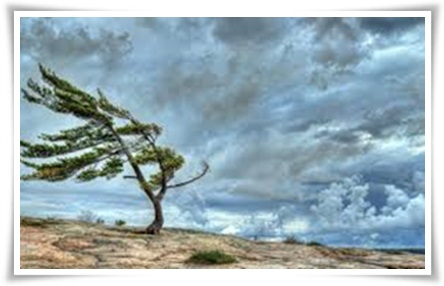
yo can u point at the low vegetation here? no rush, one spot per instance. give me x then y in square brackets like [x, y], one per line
[120, 222]
[211, 257]
[100, 221]
[34, 222]
[295, 240]
[87, 216]
[314, 243]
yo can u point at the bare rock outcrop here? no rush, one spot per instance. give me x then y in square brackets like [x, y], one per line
[61, 244]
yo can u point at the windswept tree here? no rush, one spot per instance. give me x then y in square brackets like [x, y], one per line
[109, 138]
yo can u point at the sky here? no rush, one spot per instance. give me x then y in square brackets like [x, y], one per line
[312, 127]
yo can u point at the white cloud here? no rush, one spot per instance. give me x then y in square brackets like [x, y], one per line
[419, 181]
[344, 206]
[395, 198]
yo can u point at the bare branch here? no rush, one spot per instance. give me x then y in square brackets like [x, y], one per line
[129, 177]
[204, 171]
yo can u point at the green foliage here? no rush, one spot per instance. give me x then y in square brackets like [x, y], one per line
[314, 243]
[62, 97]
[110, 108]
[170, 159]
[88, 175]
[211, 257]
[37, 222]
[171, 163]
[292, 240]
[87, 130]
[111, 168]
[100, 221]
[96, 147]
[42, 150]
[63, 168]
[137, 129]
[146, 156]
[32, 223]
[120, 222]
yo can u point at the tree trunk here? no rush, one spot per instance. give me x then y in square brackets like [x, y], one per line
[156, 225]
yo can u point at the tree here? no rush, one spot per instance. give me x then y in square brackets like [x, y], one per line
[110, 137]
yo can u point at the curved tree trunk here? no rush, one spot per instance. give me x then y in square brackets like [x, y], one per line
[157, 224]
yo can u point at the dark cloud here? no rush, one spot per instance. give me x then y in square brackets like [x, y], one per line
[248, 31]
[327, 27]
[381, 25]
[242, 203]
[272, 158]
[45, 41]
[303, 124]
[149, 22]
[404, 173]
[343, 136]
[223, 87]
[337, 49]
[390, 121]
[188, 31]
[384, 123]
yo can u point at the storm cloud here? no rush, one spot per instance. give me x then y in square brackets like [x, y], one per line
[251, 32]
[43, 39]
[311, 126]
[390, 25]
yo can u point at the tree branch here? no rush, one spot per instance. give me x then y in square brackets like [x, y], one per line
[204, 171]
[129, 177]
[152, 142]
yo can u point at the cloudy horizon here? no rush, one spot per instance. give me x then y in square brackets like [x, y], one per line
[312, 127]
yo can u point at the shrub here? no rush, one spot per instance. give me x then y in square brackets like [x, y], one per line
[33, 222]
[292, 240]
[120, 222]
[51, 218]
[314, 243]
[87, 216]
[100, 221]
[211, 257]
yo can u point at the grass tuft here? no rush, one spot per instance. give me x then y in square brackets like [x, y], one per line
[211, 257]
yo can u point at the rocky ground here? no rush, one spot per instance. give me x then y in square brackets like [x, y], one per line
[52, 244]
